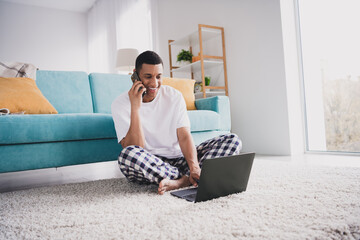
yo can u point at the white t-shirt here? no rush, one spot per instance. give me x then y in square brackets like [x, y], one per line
[160, 120]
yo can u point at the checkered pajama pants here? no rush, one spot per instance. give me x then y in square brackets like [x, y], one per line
[138, 165]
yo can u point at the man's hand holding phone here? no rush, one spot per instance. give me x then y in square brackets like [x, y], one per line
[136, 93]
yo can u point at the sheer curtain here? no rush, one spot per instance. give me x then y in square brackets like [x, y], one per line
[114, 24]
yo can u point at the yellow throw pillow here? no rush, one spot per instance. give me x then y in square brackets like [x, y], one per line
[22, 94]
[185, 86]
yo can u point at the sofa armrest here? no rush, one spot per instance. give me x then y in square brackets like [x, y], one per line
[219, 104]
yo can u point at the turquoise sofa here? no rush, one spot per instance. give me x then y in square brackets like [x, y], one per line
[83, 131]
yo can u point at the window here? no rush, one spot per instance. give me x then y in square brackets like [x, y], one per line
[330, 47]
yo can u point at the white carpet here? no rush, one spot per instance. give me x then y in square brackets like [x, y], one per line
[283, 201]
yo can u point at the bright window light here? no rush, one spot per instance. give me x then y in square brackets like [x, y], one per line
[330, 46]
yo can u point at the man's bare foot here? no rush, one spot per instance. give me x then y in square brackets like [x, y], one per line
[168, 184]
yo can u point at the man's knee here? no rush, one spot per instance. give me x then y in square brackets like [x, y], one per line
[128, 162]
[236, 141]
[128, 153]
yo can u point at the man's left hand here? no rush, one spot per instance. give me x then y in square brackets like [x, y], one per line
[194, 176]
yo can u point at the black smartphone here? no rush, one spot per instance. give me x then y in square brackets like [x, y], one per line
[135, 77]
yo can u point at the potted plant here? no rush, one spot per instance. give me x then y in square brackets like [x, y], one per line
[184, 56]
[207, 81]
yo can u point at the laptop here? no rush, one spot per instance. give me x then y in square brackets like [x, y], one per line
[220, 177]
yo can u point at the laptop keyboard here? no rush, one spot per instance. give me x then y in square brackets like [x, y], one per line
[192, 196]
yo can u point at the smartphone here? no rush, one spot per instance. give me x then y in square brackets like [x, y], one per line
[135, 77]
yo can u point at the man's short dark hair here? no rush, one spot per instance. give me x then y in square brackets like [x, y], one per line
[148, 57]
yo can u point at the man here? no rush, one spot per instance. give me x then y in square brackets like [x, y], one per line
[153, 128]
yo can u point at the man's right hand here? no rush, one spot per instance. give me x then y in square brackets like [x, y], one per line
[135, 135]
[135, 95]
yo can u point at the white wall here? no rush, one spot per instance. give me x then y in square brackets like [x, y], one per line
[255, 63]
[261, 116]
[48, 38]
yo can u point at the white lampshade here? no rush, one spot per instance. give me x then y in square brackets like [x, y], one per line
[125, 59]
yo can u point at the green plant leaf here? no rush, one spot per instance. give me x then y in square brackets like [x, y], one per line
[184, 55]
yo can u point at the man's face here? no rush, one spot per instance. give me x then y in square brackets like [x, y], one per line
[151, 76]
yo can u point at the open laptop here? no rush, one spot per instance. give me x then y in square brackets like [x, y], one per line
[220, 177]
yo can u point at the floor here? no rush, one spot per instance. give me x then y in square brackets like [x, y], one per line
[90, 172]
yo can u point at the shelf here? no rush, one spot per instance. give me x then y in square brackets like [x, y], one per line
[196, 66]
[193, 38]
[215, 88]
[203, 61]
[209, 94]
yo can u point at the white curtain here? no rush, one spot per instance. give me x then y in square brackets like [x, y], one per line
[114, 24]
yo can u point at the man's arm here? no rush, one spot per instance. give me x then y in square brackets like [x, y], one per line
[188, 149]
[135, 135]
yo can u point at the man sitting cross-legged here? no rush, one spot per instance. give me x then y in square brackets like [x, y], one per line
[154, 131]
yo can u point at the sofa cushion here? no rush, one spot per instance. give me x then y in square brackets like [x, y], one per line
[200, 137]
[186, 87]
[105, 88]
[20, 157]
[219, 104]
[204, 120]
[22, 95]
[68, 92]
[38, 128]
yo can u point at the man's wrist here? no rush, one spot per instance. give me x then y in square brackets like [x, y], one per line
[135, 109]
[194, 167]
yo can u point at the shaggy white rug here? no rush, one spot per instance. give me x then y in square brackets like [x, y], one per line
[283, 201]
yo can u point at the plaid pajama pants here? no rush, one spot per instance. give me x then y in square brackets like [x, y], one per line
[138, 165]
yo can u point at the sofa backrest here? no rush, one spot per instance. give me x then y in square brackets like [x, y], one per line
[105, 88]
[67, 91]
